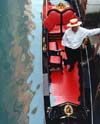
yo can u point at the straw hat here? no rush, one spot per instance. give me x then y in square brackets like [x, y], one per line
[74, 22]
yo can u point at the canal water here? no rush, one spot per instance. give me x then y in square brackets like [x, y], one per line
[37, 75]
[13, 45]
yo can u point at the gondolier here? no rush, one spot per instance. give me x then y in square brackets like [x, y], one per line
[73, 39]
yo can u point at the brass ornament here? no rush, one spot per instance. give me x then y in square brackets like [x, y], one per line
[68, 110]
[61, 6]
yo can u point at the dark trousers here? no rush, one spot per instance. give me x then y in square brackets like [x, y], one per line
[73, 56]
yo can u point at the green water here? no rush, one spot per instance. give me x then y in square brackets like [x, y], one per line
[12, 29]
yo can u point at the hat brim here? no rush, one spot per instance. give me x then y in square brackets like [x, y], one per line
[74, 25]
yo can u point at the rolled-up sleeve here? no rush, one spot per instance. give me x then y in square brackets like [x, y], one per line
[91, 32]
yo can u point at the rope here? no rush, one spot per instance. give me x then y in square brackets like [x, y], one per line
[83, 90]
[77, 8]
[88, 65]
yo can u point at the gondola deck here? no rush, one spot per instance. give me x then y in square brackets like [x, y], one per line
[65, 87]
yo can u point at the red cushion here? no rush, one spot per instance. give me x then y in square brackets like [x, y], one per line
[52, 46]
[52, 20]
[69, 14]
[55, 59]
[55, 29]
[48, 24]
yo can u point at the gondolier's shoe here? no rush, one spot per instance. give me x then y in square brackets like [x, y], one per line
[65, 62]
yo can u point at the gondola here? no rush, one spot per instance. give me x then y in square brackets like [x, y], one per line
[68, 96]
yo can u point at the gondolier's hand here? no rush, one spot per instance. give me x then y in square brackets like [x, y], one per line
[97, 47]
[84, 44]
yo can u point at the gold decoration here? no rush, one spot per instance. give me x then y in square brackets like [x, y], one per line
[68, 110]
[61, 6]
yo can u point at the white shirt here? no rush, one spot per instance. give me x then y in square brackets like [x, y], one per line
[74, 39]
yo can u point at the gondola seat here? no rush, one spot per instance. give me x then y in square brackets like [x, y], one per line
[56, 22]
[55, 58]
